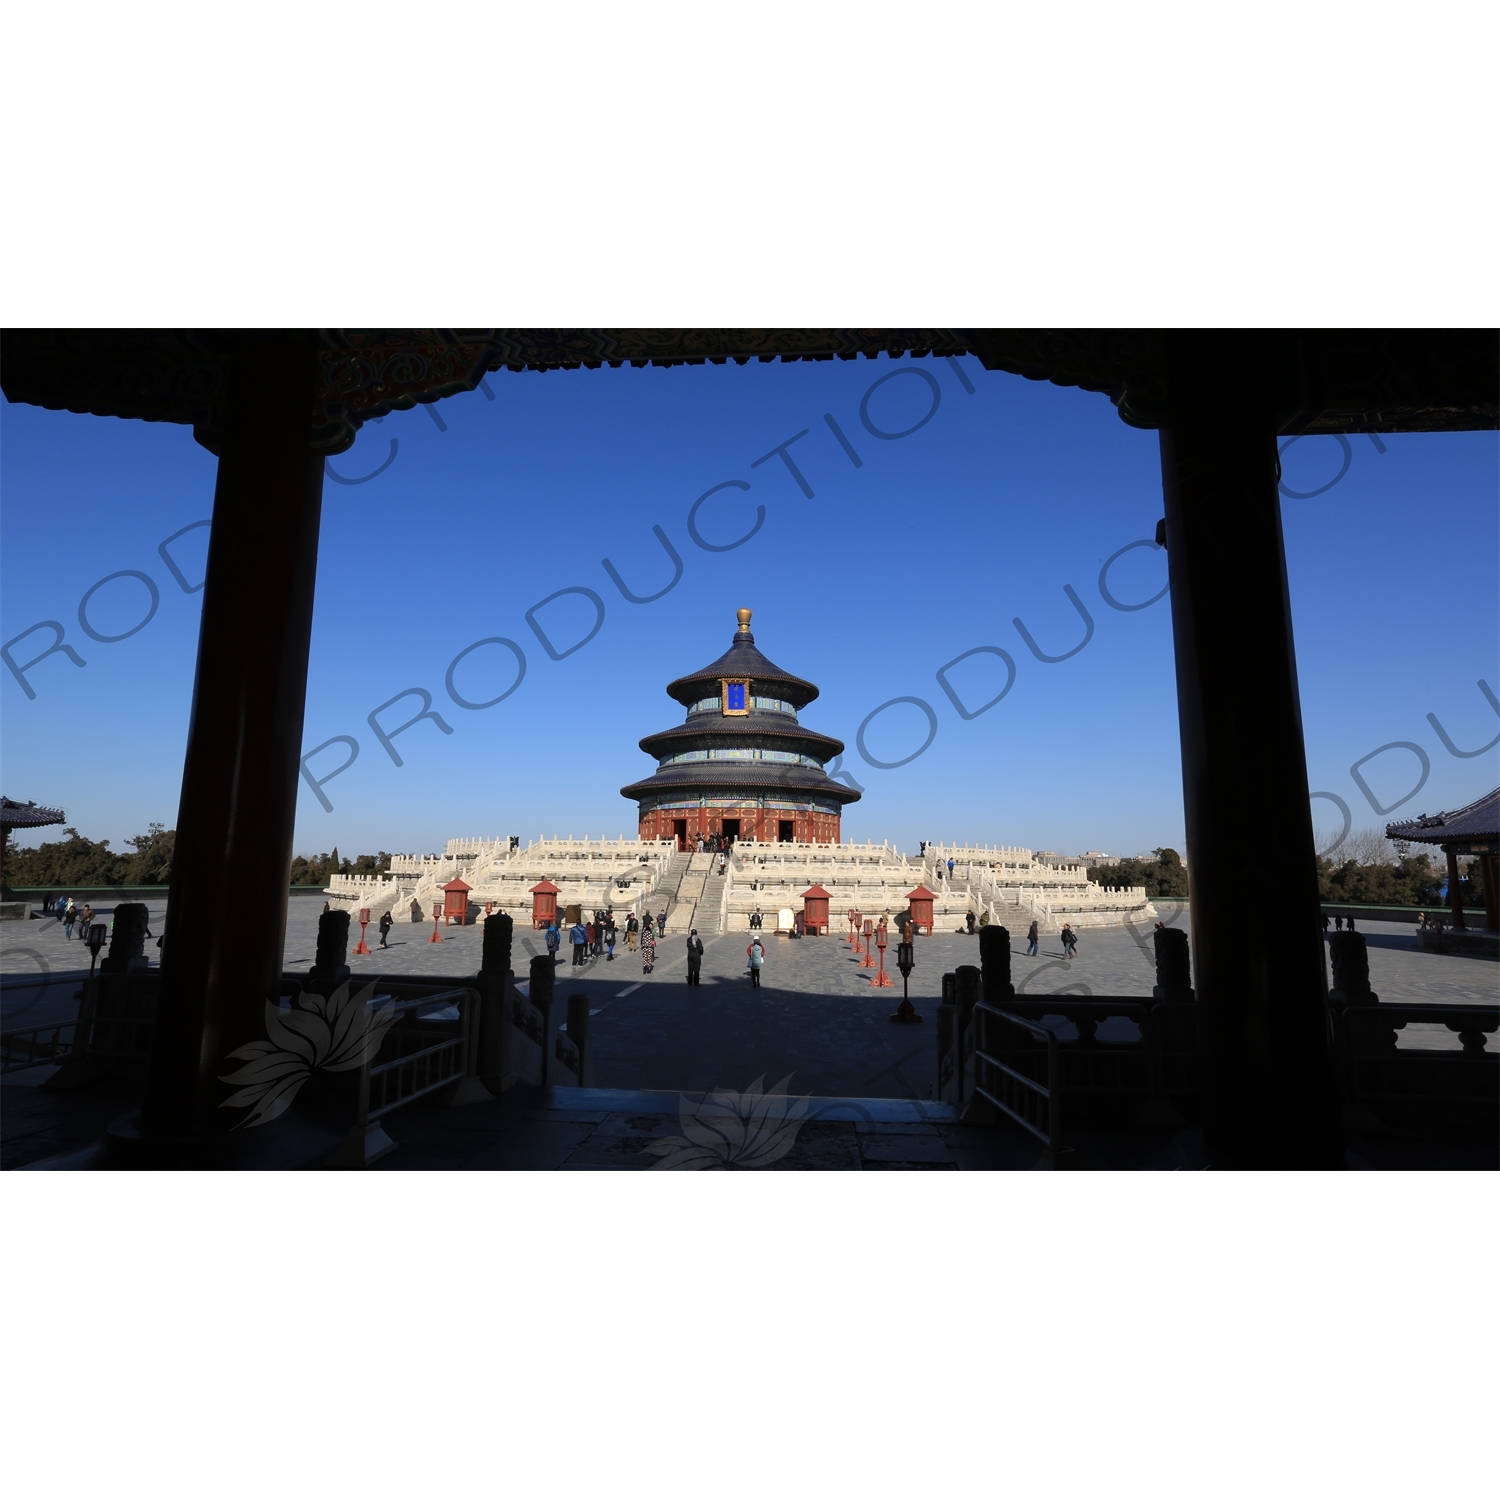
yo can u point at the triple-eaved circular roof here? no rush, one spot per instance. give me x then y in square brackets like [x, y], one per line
[773, 730]
[743, 660]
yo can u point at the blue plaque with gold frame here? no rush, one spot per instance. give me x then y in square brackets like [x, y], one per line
[736, 695]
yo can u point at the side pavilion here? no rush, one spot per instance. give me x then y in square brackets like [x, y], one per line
[273, 405]
[22, 815]
[1474, 830]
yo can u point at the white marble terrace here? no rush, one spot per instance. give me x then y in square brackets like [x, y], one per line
[593, 873]
[1007, 884]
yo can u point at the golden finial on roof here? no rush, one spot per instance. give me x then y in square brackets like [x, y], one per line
[743, 616]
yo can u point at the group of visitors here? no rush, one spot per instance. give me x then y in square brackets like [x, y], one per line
[755, 957]
[72, 915]
[1068, 937]
[714, 843]
[588, 940]
[597, 938]
[1338, 923]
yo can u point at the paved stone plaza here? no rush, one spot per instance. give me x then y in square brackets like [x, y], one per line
[816, 1016]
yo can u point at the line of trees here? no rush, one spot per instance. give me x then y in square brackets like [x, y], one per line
[1163, 874]
[319, 869]
[1367, 870]
[77, 861]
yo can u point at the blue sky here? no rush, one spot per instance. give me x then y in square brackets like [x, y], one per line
[994, 504]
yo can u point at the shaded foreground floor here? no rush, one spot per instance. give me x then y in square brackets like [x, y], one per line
[571, 1129]
[534, 1129]
[655, 1040]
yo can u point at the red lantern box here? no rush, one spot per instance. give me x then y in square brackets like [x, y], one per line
[920, 901]
[544, 904]
[815, 910]
[456, 902]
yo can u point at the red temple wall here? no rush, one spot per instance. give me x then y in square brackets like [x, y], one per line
[760, 823]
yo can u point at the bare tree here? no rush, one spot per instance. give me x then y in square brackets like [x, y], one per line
[1367, 846]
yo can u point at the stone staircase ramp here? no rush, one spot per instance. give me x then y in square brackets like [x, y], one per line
[711, 905]
[668, 892]
[681, 913]
[671, 877]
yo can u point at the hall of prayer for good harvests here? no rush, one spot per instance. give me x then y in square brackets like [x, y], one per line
[741, 765]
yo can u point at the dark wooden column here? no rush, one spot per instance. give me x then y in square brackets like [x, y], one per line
[1455, 888]
[226, 912]
[1268, 1077]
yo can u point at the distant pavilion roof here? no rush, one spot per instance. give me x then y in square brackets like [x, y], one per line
[1478, 823]
[28, 815]
[1337, 380]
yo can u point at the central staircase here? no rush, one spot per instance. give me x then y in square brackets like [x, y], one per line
[710, 915]
[668, 891]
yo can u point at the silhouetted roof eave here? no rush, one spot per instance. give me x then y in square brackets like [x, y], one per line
[1338, 380]
[1478, 822]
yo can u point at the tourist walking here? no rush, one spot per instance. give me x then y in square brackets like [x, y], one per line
[1349, 922]
[579, 937]
[756, 920]
[415, 909]
[970, 920]
[1338, 924]
[648, 950]
[632, 932]
[385, 928]
[661, 922]
[950, 869]
[609, 939]
[69, 917]
[695, 958]
[757, 956]
[1069, 941]
[86, 920]
[1031, 939]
